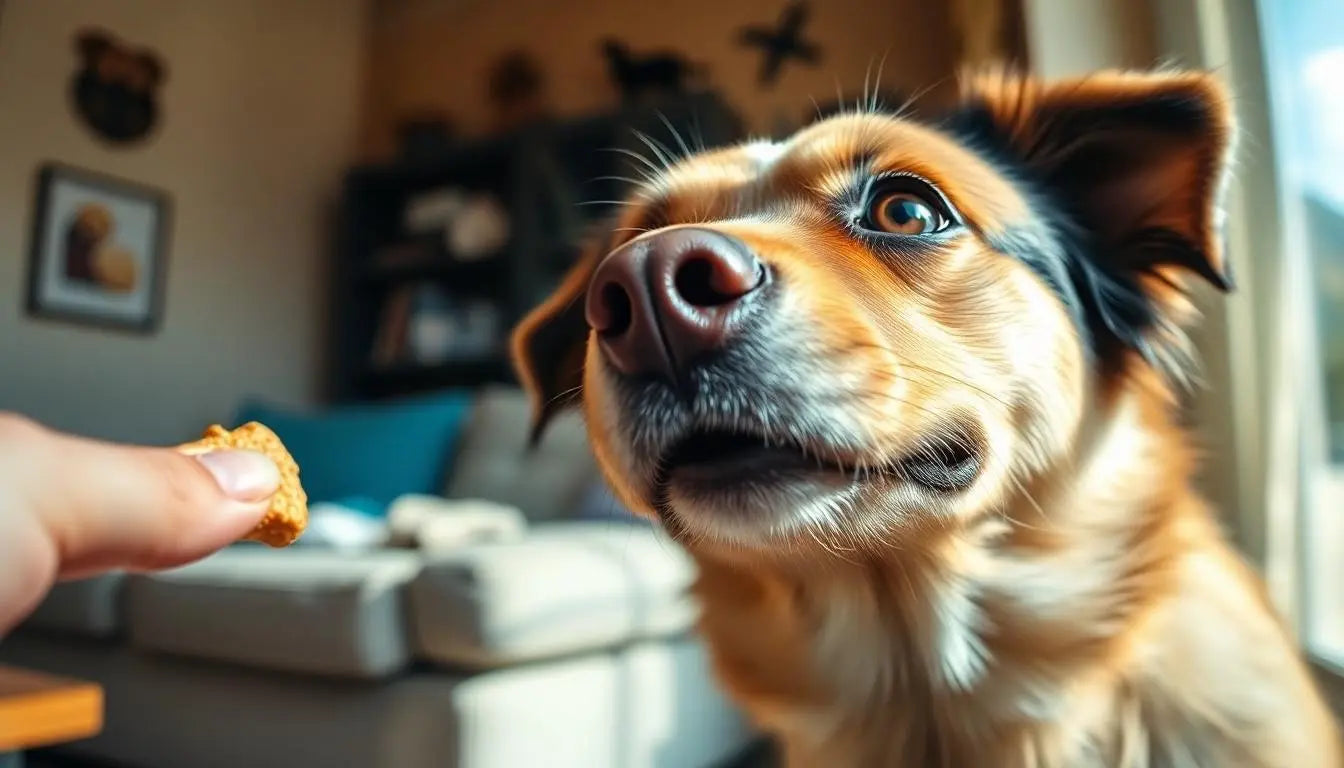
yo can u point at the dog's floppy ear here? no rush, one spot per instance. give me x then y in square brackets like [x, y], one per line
[549, 344]
[1133, 165]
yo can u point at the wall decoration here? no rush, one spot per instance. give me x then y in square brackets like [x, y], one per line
[637, 76]
[517, 90]
[779, 45]
[115, 89]
[98, 251]
[425, 135]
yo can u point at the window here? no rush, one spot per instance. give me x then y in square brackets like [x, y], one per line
[1304, 67]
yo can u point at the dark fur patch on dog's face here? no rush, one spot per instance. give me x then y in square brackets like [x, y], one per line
[1099, 280]
[1070, 217]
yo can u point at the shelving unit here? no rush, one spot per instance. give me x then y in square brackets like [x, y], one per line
[540, 174]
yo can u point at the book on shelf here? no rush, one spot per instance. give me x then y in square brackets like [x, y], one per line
[404, 255]
[424, 324]
[390, 343]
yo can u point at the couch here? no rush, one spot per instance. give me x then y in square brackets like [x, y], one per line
[568, 645]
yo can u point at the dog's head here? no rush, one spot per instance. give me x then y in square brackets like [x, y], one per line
[879, 325]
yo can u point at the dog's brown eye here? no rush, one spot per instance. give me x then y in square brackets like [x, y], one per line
[902, 213]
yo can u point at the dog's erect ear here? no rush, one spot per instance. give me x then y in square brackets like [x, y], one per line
[91, 43]
[1132, 168]
[1137, 159]
[549, 344]
[152, 68]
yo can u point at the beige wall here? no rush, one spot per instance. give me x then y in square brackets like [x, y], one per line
[1072, 37]
[261, 109]
[437, 53]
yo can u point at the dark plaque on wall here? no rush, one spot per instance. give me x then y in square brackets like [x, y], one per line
[115, 88]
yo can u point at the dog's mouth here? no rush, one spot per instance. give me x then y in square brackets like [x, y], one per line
[718, 460]
[730, 457]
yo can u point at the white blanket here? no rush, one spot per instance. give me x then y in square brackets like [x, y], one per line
[434, 523]
[429, 523]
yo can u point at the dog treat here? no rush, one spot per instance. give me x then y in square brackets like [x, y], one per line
[288, 516]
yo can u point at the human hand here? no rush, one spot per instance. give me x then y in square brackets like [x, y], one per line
[73, 507]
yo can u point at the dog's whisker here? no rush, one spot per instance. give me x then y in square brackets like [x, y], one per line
[877, 86]
[655, 146]
[619, 203]
[633, 155]
[566, 395]
[617, 177]
[685, 149]
[937, 372]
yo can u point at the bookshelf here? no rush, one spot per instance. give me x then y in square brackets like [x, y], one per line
[409, 312]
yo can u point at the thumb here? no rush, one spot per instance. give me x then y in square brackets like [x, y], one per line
[117, 506]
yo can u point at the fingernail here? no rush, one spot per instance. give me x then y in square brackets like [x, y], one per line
[242, 475]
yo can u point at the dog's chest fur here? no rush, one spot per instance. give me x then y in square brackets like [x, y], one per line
[861, 675]
[892, 667]
[1135, 640]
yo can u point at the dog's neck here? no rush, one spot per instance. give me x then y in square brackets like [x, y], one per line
[990, 621]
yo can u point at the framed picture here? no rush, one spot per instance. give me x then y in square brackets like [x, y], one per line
[98, 254]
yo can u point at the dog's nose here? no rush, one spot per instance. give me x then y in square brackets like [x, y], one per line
[660, 301]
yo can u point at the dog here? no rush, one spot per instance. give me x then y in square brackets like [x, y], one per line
[635, 75]
[907, 392]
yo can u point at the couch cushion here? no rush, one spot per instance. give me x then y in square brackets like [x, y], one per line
[370, 453]
[90, 607]
[567, 587]
[652, 705]
[495, 462]
[311, 611]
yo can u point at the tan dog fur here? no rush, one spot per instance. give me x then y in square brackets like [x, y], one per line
[1079, 605]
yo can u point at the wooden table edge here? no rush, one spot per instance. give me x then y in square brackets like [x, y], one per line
[38, 709]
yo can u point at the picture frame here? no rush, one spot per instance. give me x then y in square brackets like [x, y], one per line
[98, 254]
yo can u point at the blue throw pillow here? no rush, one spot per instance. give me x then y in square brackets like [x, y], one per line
[374, 452]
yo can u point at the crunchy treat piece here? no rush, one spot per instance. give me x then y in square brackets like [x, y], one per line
[288, 515]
